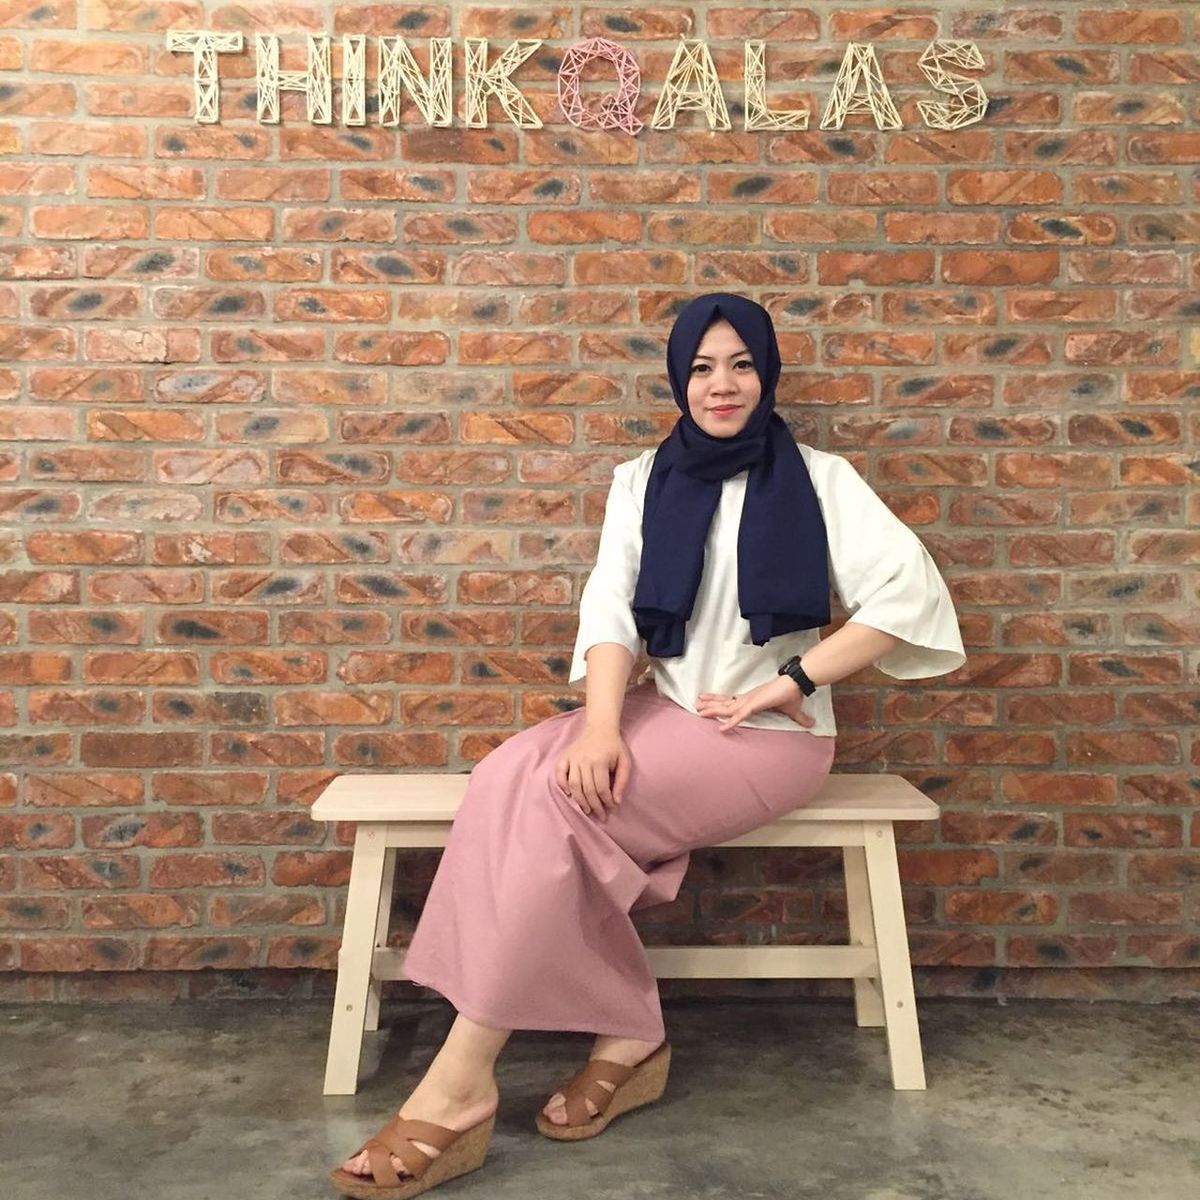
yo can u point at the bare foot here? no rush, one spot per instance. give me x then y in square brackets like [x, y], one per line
[627, 1051]
[457, 1109]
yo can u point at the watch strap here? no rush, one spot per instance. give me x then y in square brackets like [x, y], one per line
[793, 668]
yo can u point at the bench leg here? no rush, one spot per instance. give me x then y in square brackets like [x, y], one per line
[895, 970]
[382, 925]
[354, 962]
[868, 1003]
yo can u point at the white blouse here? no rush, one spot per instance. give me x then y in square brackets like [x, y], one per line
[882, 573]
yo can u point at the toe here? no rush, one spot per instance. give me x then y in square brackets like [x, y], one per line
[360, 1164]
[355, 1165]
[556, 1109]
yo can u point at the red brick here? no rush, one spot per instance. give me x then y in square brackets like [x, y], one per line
[228, 224]
[1165, 66]
[358, 305]
[130, 15]
[1130, 26]
[36, 179]
[264, 183]
[89, 221]
[1049, 66]
[88, 303]
[1003, 187]
[209, 141]
[143, 345]
[630, 266]
[323, 224]
[78, 954]
[37, 262]
[142, 183]
[38, 99]
[96, 139]
[397, 184]
[269, 263]
[139, 749]
[87, 57]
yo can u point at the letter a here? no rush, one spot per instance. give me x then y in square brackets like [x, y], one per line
[692, 82]
[859, 88]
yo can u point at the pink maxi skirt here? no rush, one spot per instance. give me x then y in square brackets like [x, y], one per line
[527, 925]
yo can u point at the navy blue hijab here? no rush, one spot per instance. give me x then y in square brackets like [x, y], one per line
[783, 577]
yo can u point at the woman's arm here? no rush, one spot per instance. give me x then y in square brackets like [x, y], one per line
[851, 648]
[884, 577]
[608, 668]
[841, 654]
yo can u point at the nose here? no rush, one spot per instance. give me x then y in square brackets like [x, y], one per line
[723, 382]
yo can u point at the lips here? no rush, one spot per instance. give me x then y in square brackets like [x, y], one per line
[726, 409]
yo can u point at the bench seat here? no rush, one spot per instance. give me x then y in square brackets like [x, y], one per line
[853, 812]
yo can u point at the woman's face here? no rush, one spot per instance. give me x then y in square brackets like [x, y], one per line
[722, 377]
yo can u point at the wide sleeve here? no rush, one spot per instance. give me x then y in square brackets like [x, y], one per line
[885, 577]
[605, 614]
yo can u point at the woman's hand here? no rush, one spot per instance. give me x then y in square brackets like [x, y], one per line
[583, 769]
[780, 693]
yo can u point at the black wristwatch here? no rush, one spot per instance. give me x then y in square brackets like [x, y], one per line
[793, 668]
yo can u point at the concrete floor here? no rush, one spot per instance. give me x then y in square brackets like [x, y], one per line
[766, 1099]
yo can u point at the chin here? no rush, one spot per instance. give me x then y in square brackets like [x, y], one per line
[723, 429]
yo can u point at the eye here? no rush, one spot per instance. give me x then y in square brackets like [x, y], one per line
[699, 367]
[745, 362]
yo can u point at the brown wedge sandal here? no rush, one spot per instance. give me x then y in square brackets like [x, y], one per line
[460, 1153]
[635, 1086]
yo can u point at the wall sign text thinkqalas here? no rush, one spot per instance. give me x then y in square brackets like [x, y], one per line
[692, 82]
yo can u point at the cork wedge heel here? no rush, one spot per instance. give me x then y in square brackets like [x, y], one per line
[635, 1086]
[460, 1152]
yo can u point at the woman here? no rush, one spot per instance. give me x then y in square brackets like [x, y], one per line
[716, 554]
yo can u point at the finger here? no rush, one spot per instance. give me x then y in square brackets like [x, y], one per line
[735, 718]
[621, 779]
[599, 787]
[589, 789]
[575, 790]
[602, 776]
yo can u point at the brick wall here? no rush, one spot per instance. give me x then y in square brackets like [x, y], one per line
[307, 432]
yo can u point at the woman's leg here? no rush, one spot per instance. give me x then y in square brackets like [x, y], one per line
[753, 781]
[525, 925]
[458, 1089]
[628, 1051]
[527, 922]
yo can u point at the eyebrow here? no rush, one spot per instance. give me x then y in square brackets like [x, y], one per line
[709, 357]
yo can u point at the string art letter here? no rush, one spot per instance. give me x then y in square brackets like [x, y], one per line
[692, 82]
[859, 88]
[354, 79]
[482, 79]
[398, 68]
[316, 81]
[205, 47]
[970, 100]
[758, 115]
[615, 110]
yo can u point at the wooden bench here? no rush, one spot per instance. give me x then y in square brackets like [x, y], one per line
[854, 812]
